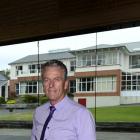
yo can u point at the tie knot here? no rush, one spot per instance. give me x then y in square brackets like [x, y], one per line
[52, 108]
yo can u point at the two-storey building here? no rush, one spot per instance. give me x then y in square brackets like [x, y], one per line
[102, 75]
[25, 72]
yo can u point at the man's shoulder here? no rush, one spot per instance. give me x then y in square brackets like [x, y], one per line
[77, 109]
[75, 104]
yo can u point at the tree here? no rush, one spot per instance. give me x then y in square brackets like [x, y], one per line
[6, 73]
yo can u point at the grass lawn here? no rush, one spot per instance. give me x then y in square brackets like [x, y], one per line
[103, 114]
[15, 115]
[117, 114]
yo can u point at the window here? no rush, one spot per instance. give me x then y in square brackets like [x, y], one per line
[111, 57]
[72, 65]
[103, 57]
[100, 59]
[102, 84]
[19, 70]
[34, 68]
[40, 87]
[28, 87]
[72, 86]
[17, 89]
[134, 61]
[84, 60]
[130, 81]
[106, 84]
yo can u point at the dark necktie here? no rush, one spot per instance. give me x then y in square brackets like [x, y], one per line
[52, 109]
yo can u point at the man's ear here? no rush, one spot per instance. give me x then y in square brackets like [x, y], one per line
[66, 87]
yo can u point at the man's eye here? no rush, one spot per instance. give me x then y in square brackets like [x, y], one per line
[57, 79]
[46, 80]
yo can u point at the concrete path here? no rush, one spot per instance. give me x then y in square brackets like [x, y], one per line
[24, 134]
[117, 136]
[15, 134]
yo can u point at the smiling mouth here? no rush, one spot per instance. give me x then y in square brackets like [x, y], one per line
[51, 91]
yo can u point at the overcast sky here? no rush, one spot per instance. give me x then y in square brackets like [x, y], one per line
[11, 53]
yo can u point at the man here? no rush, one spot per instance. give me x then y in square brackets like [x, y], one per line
[69, 120]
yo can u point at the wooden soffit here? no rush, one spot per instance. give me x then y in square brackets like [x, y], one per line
[30, 20]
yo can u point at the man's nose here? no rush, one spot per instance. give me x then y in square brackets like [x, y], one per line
[51, 84]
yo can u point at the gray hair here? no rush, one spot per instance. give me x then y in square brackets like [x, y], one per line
[55, 62]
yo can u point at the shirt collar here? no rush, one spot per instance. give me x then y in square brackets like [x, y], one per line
[60, 104]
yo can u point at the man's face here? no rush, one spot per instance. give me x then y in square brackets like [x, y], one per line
[54, 84]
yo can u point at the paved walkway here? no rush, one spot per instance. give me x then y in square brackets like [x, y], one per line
[6, 111]
[15, 134]
[117, 136]
[24, 134]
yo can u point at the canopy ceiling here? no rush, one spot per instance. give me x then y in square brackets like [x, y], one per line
[30, 20]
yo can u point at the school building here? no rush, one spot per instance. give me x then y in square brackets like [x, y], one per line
[101, 75]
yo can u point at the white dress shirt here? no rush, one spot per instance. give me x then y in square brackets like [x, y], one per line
[70, 121]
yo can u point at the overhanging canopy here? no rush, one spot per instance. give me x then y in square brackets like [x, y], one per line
[30, 20]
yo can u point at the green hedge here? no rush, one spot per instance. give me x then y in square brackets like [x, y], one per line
[43, 99]
[33, 99]
[2, 100]
[29, 98]
[11, 101]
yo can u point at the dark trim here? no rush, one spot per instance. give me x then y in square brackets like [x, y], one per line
[100, 126]
[15, 124]
[118, 126]
[72, 33]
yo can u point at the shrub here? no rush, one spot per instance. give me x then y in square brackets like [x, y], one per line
[2, 100]
[11, 101]
[71, 95]
[29, 98]
[43, 99]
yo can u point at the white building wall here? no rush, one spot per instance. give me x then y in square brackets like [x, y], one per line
[101, 101]
[137, 70]
[99, 68]
[130, 100]
[26, 72]
[13, 72]
[125, 62]
[67, 63]
[130, 97]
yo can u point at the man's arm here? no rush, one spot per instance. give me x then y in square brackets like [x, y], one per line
[33, 132]
[86, 126]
